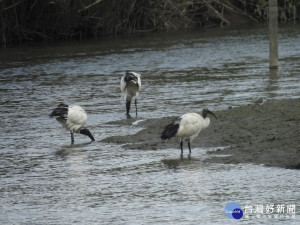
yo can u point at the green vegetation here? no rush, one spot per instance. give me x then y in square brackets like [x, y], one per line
[30, 20]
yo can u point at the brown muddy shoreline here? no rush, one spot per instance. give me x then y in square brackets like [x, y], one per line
[267, 134]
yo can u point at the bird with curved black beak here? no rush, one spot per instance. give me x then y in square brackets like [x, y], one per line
[187, 127]
[130, 87]
[72, 118]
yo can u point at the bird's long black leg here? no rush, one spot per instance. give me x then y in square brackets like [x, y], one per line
[181, 147]
[190, 151]
[135, 102]
[127, 107]
[72, 137]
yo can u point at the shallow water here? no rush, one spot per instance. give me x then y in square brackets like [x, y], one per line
[43, 180]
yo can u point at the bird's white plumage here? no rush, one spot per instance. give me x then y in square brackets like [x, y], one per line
[131, 90]
[187, 127]
[72, 118]
[190, 126]
[76, 118]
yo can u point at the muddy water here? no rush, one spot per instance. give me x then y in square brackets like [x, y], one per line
[44, 181]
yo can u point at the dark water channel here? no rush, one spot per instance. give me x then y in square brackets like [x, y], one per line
[44, 181]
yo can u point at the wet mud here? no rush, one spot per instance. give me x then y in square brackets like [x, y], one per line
[267, 134]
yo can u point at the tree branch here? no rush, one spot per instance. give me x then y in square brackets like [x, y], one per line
[216, 12]
[89, 6]
[12, 6]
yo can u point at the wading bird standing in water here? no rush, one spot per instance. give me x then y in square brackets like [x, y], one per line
[187, 127]
[72, 118]
[130, 87]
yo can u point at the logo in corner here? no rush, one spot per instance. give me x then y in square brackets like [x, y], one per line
[233, 211]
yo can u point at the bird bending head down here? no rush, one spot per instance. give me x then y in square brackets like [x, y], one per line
[130, 87]
[72, 118]
[187, 127]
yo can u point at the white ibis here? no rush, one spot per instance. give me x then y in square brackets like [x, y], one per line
[187, 127]
[130, 87]
[72, 118]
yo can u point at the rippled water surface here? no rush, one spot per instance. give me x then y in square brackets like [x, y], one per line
[45, 181]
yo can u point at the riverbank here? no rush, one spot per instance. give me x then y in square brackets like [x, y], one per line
[93, 19]
[267, 134]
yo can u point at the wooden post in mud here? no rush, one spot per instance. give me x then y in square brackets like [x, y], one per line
[273, 32]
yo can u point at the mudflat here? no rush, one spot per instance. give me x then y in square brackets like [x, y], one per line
[267, 134]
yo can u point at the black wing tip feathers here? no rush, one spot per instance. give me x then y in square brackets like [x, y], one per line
[60, 111]
[170, 131]
[62, 105]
